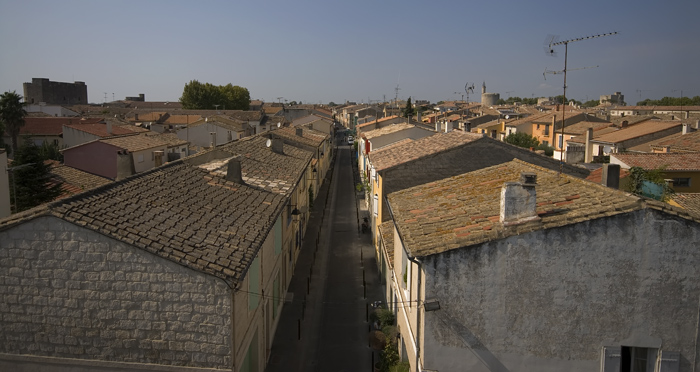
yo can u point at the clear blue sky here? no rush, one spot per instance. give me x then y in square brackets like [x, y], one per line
[321, 51]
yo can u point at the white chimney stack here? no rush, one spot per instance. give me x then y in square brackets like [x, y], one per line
[518, 200]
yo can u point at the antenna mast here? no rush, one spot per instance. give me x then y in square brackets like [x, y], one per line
[550, 51]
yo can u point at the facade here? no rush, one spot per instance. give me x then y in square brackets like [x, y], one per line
[217, 130]
[613, 99]
[510, 269]
[75, 134]
[682, 169]
[182, 268]
[55, 93]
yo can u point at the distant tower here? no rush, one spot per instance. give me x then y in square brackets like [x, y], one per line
[488, 99]
[483, 88]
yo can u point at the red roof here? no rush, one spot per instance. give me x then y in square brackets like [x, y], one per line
[100, 130]
[51, 126]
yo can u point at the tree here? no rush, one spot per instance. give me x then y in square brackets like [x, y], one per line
[409, 110]
[50, 151]
[649, 183]
[207, 96]
[12, 115]
[522, 140]
[31, 182]
[591, 103]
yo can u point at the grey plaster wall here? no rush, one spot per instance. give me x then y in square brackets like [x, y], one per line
[69, 292]
[549, 300]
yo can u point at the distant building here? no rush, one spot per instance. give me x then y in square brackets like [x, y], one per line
[613, 99]
[140, 98]
[53, 92]
[488, 99]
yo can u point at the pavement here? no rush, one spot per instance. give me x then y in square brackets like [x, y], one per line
[325, 326]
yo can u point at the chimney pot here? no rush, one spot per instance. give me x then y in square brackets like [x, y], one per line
[686, 128]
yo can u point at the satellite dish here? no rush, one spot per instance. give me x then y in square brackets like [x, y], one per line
[606, 149]
[206, 120]
[507, 117]
[268, 143]
[279, 124]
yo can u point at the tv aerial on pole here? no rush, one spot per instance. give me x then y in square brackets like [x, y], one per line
[561, 71]
[554, 41]
[468, 88]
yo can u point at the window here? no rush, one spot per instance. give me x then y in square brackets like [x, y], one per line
[681, 182]
[546, 130]
[561, 141]
[638, 359]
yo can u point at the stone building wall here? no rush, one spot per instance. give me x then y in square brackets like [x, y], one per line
[54, 92]
[549, 300]
[68, 292]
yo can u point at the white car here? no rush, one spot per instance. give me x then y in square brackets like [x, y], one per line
[351, 139]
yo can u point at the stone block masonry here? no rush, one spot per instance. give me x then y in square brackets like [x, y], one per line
[69, 292]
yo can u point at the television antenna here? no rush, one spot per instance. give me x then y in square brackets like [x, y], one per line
[553, 41]
[458, 93]
[396, 98]
[468, 88]
[640, 92]
[544, 74]
[279, 100]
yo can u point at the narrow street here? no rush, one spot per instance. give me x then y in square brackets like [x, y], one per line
[327, 329]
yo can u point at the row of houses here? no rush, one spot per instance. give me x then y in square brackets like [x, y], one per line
[497, 258]
[184, 266]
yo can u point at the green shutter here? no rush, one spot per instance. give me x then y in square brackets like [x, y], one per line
[254, 284]
[277, 231]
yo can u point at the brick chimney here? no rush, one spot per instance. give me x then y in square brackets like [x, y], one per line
[233, 171]
[518, 200]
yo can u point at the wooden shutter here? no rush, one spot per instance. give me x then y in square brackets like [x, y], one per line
[611, 359]
[669, 361]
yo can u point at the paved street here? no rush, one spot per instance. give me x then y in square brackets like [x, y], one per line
[327, 330]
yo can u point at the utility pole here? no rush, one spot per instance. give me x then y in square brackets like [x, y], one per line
[552, 44]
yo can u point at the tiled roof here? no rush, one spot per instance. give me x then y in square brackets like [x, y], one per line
[181, 119]
[637, 130]
[670, 161]
[309, 136]
[100, 130]
[389, 157]
[386, 230]
[245, 115]
[179, 212]
[263, 168]
[684, 143]
[647, 146]
[136, 143]
[377, 121]
[387, 130]
[393, 144]
[581, 127]
[596, 175]
[50, 126]
[464, 210]
[75, 181]
[221, 121]
[688, 201]
[171, 139]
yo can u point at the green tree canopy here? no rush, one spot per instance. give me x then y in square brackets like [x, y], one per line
[409, 110]
[591, 103]
[31, 182]
[207, 96]
[671, 101]
[649, 183]
[12, 115]
[522, 140]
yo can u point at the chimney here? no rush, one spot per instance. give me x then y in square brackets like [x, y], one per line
[233, 172]
[125, 165]
[686, 128]
[419, 115]
[212, 142]
[697, 124]
[611, 175]
[687, 114]
[300, 132]
[109, 127]
[278, 145]
[518, 200]
[437, 125]
[588, 157]
[448, 126]
[158, 155]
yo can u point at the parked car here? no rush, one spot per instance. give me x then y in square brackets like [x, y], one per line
[351, 139]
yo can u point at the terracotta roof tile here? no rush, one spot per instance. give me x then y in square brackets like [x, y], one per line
[683, 143]
[136, 143]
[464, 210]
[309, 137]
[670, 161]
[393, 128]
[688, 201]
[51, 126]
[100, 130]
[637, 130]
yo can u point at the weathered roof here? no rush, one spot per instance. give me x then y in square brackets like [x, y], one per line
[221, 121]
[171, 139]
[688, 201]
[51, 126]
[100, 130]
[377, 121]
[179, 212]
[581, 127]
[675, 161]
[637, 130]
[392, 156]
[393, 128]
[683, 143]
[263, 168]
[464, 210]
[74, 180]
[309, 137]
[136, 143]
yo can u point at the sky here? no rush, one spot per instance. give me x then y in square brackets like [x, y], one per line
[332, 51]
